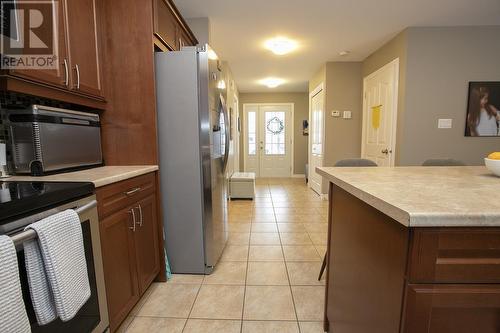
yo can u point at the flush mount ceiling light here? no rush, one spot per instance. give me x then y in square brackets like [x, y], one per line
[272, 82]
[280, 45]
[344, 53]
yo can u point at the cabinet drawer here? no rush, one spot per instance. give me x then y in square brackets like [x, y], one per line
[113, 197]
[455, 255]
[448, 308]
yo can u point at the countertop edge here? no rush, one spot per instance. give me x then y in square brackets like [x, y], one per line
[124, 176]
[395, 213]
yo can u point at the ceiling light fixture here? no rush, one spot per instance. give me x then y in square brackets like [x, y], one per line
[280, 45]
[272, 82]
[212, 55]
[344, 53]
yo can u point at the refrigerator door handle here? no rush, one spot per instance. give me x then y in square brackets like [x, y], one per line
[227, 133]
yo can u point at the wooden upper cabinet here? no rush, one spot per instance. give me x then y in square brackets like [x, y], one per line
[169, 27]
[59, 76]
[165, 24]
[83, 46]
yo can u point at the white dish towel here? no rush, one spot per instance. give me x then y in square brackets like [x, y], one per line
[56, 267]
[13, 317]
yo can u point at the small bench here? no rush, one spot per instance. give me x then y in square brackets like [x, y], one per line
[242, 185]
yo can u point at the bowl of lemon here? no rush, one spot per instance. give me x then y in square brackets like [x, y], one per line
[492, 162]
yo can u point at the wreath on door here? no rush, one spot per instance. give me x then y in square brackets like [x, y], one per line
[275, 126]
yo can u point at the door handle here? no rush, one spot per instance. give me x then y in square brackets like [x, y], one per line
[132, 211]
[66, 73]
[140, 215]
[77, 77]
[386, 151]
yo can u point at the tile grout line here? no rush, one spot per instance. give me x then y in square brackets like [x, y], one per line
[192, 305]
[288, 277]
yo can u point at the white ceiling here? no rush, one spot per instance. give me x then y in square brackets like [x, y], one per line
[322, 27]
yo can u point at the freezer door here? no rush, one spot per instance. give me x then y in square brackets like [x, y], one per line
[214, 183]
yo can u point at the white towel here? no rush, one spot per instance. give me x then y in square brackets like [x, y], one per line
[56, 267]
[13, 317]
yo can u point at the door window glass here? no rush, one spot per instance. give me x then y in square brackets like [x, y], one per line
[252, 133]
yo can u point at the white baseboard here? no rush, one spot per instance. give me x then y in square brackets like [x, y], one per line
[298, 175]
[324, 197]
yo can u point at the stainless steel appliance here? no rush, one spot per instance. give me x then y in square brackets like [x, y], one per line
[45, 139]
[193, 147]
[22, 203]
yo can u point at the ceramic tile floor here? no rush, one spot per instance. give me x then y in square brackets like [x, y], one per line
[266, 280]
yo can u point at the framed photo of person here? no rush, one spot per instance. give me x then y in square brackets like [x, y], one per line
[483, 109]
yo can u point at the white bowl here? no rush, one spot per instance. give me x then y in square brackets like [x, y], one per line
[493, 165]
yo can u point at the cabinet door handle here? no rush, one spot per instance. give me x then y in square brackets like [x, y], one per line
[132, 191]
[77, 76]
[140, 216]
[66, 73]
[132, 211]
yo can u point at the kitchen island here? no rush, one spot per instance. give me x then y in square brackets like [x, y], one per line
[413, 249]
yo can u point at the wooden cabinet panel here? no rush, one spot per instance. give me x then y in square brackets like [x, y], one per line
[146, 240]
[59, 76]
[113, 197]
[83, 46]
[455, 255]
[119, 261]
[165, 24]
[452, 309]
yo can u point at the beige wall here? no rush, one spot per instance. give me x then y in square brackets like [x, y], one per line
[441, 62]
[436, 65]
[343, 91]
[301, 112]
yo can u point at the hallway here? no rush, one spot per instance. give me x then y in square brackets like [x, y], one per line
[266, 280]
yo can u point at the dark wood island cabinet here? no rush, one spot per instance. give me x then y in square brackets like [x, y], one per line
[401, 260]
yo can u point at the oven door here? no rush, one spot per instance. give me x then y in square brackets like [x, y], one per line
[93, 316]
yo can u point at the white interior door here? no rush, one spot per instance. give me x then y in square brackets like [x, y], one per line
[316, 137]
[379, 114]
[268, 139]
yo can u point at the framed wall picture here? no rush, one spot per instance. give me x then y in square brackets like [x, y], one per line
[483, 109]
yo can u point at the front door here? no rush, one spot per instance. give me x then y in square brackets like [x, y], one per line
[316, 135]
[379, 114]
[268, 139]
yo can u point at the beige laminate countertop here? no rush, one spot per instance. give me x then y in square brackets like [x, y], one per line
[425, 196]
[99, 176]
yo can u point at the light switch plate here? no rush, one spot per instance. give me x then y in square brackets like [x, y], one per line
[347, 115]
[335, 113]
[444, 123]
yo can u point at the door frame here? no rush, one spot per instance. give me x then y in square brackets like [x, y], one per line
[236, 137]
[395, 64]
[320, 87]
[245, 138]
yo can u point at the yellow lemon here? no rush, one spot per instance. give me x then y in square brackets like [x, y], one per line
[494, 156]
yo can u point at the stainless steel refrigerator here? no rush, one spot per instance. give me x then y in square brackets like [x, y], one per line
[193, 141]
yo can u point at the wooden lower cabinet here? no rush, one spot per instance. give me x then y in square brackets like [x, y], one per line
[130, 243]
[119, 261]
[383, 277]
[146, 244]
[460, 308]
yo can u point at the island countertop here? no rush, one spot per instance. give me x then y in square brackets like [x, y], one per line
[100, 176]
[425, 196]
